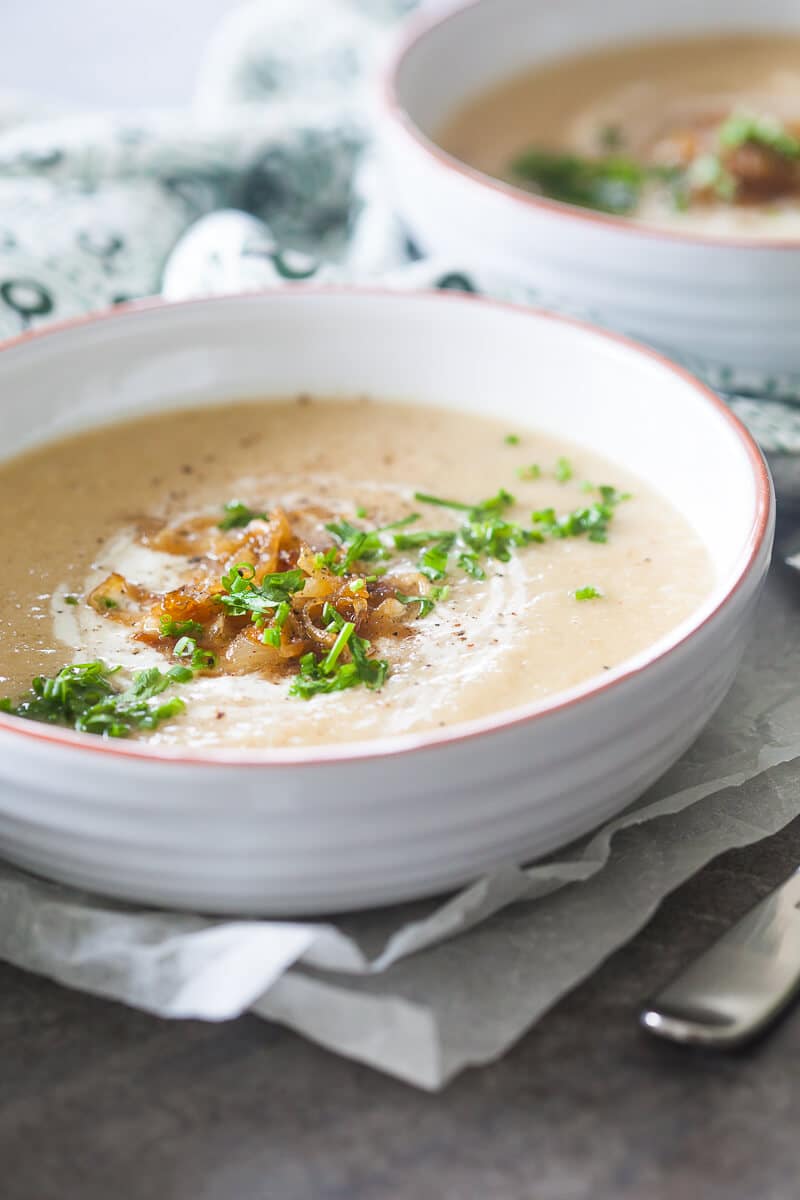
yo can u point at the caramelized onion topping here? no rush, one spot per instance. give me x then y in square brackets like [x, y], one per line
[238, 642]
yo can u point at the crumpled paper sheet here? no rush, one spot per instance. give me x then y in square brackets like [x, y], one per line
[423, 991]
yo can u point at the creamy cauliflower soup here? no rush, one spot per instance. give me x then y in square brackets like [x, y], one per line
[306, 572]
[699, 134]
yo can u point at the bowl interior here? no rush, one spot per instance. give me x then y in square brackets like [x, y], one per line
[486, 42]
[530, 369]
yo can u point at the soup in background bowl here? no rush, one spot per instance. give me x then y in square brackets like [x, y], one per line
[637, 163]
[439, 640]
[698, 134]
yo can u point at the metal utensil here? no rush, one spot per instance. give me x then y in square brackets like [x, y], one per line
[737, 987]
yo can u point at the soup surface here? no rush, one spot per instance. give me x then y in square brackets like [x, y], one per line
[240, 557]
[701, 134]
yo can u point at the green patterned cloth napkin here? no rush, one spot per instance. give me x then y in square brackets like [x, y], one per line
[95, 210]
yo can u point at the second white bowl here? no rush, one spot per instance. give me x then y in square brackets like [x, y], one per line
[729, 308]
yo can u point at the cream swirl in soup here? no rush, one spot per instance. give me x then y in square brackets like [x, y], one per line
[700, 134]
[309, 572]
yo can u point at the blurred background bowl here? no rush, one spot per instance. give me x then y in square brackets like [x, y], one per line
[730, 308]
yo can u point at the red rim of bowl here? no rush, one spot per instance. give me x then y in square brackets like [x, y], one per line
[421, 27]
[320, 756]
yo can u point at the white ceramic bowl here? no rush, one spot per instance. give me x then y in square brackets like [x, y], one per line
[730, 307]
[288, 831]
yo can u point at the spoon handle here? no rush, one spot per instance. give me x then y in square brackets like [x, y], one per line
[736, 988]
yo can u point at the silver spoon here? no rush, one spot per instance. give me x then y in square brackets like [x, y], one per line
[733, 991]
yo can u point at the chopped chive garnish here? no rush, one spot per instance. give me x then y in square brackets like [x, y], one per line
[611, 185]
[326, 560]
[362, 545]
[184, 647]
[533, 471]
[588, 593]
[423, 537]
[311, 681]
[563, 471]
[611, 496]
[83, 697]
[433, 561]
[204, 660]
[70, 599]
[272, 634]
[361, 512]
[178, 674]
[319, 676]
[469, 563]
[179, 629]
[512, 439]
[243, 596]
[342, 638]
[592, 520]
[482, 509]
[426, 498]
[485, 534]
[426, 603]
[237, 515]
[371, 671]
